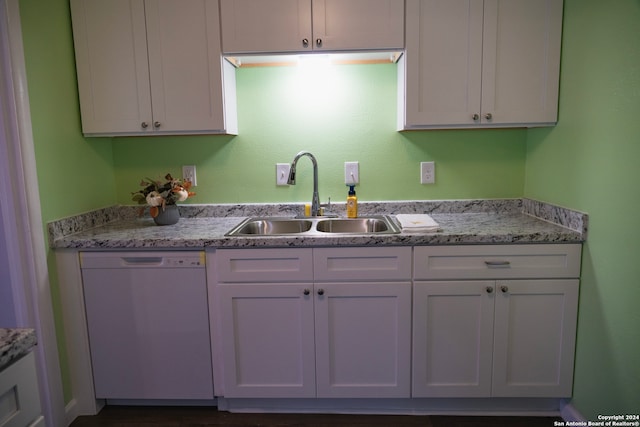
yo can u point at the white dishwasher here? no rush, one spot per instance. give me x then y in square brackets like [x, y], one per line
[148, 324]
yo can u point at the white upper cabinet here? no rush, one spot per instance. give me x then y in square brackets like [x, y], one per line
[152, 67]
[480, 63]
[280, 26]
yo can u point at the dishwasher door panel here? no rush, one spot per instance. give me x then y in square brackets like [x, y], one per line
[149, 333]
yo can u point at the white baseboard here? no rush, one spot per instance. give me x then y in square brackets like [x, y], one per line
[568, 412]
[71, 411]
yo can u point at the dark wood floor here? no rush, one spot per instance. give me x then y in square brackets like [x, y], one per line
[129, 416]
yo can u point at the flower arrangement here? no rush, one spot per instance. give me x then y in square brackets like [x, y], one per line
[157, 194]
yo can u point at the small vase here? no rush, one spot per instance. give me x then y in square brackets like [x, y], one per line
[167, 216]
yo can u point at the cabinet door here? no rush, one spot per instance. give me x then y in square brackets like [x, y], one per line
[185, 65]
[358, 24]
[535, 328]
[521, 61]
[363, 339]
[443, 62]
[265, 25]
[111, 60]
[267, 340]
[452, 338]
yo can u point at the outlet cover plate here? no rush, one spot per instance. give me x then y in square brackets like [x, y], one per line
[427, 173]
[189, 174]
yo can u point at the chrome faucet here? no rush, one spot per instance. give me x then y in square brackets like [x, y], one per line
[315, 199]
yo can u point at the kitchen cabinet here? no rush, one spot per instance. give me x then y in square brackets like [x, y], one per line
[480, 63]
[152, 67]
[509, 337]
[19, 395]
[280, 26]
[299, 333]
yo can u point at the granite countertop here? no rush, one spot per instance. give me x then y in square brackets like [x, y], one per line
[14, 343]
[203, 226]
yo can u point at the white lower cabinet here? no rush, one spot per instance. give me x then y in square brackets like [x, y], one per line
[314, 338]
[478, 321]
[494, 338]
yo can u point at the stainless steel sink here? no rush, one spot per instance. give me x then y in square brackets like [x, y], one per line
[270, 227]
[318, 226]
[353, 225]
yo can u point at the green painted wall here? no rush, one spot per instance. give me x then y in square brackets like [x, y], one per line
[343, 113]
[590, 162]
[74, 175]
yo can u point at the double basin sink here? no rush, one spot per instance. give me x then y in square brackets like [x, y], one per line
[270, 226]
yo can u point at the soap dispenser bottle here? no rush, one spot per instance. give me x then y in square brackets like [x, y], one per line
[352, 203]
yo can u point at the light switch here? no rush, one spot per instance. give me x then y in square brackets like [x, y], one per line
[282, 173]
[351, 173]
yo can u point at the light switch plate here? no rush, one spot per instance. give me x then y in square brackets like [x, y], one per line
[351, 173]
[427, 173]
[282, 173]
[189, 174]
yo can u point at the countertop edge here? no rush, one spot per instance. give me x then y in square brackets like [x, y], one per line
[15, 343]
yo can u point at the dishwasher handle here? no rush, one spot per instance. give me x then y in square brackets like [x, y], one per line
[142, 261]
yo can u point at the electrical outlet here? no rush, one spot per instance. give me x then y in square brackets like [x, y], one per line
[282, 173]
[189, 174]
[427, 173]
[351, 173]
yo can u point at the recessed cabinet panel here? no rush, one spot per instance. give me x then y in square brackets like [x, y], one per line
[184, 64]
[452, 338]
[112, 66]
[267, 340]
[358, 24]
[281, 26]
[521, 66]
[443, 61]
[265, 25]
[363, 337]
[534, 338]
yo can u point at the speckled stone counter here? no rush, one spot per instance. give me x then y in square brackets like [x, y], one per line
[204, 226]
[14, 343]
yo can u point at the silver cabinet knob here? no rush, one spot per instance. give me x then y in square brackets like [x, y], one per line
[156, 124]
[320, 292]
[144, 125]
[319, 42]
[488, 116]
[305, 42]
[489, 289]
[504, 289]
[306, 292]
[476, 117]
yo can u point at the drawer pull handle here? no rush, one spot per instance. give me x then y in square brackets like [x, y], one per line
[320, 292]
[497, 264]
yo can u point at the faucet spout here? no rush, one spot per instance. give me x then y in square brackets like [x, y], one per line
[315, 198]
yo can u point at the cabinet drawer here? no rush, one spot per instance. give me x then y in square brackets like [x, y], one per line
[264, 265]
[19, 396]
[497, 262]
[384, 263]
